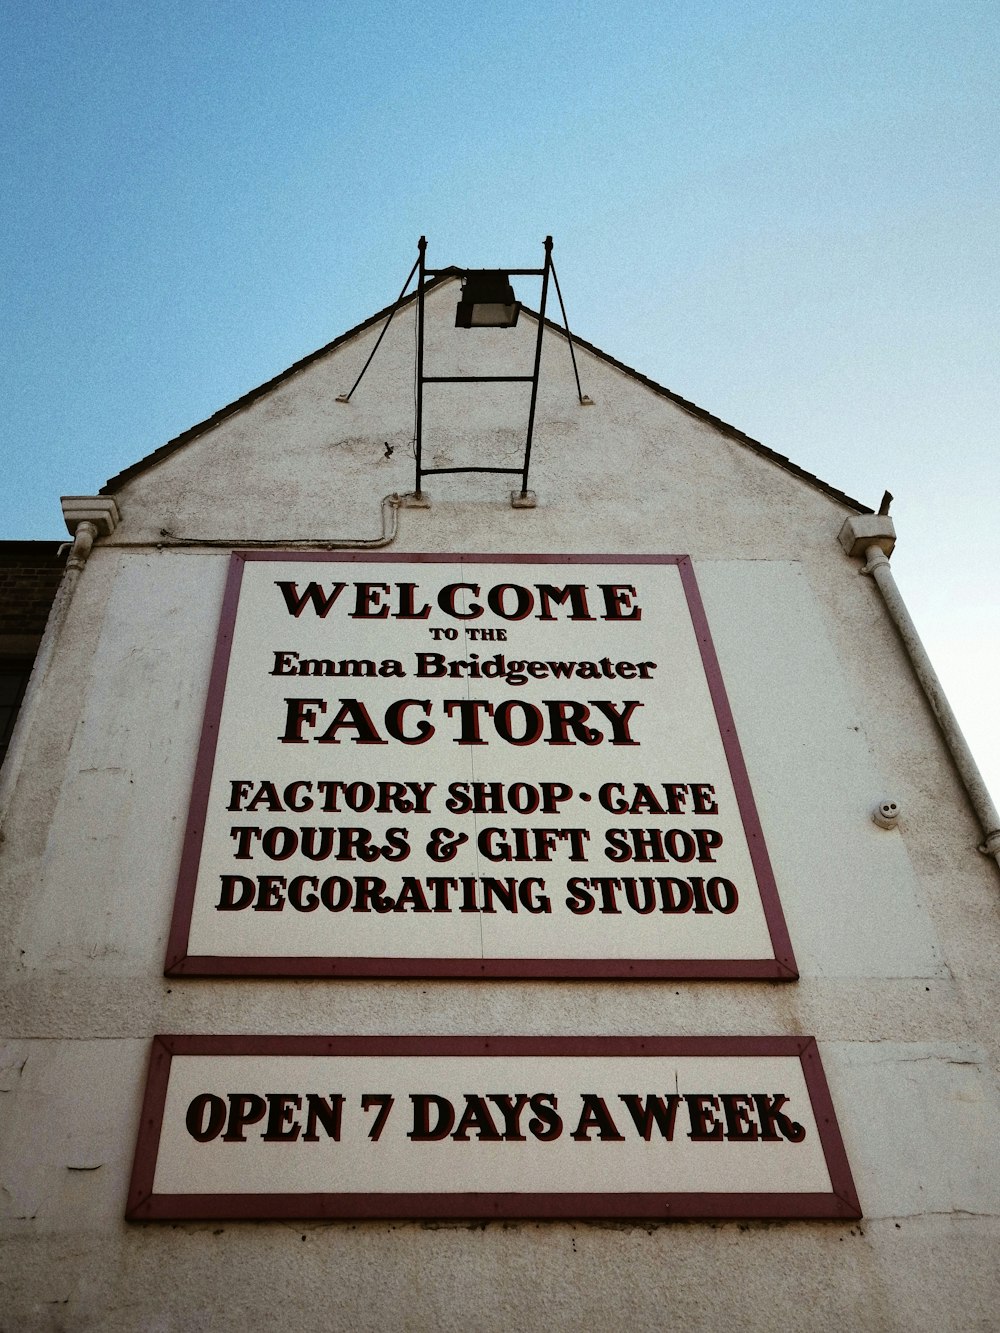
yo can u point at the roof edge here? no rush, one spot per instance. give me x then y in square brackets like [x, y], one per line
[165, 450]
[732, 432]
[700, 413]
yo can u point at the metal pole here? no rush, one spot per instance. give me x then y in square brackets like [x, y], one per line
[538, 363]
[346, 397]
[569, 336]
[418, 424]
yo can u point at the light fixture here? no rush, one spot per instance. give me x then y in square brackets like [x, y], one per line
[487, 301]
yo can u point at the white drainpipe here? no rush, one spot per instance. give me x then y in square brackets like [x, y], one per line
[873, 536]
[87, 518]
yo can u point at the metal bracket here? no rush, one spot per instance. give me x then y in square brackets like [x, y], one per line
[423, 273]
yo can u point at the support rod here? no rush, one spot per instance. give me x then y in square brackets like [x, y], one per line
[437, 471]
[418, 425]
[478, 379]
[346, 397]
[511, 272]
[569, 336]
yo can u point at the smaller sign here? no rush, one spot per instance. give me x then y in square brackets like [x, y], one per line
[485, 1127]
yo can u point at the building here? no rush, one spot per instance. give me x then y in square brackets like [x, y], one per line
[741, 821]
[30, 574]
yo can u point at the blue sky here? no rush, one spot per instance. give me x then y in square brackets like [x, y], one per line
[786, 213]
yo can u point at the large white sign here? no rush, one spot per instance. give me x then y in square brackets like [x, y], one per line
[471, 766]
[488, 1127]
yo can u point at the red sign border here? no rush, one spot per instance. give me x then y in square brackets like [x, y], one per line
[782, 967]
[840, 1204]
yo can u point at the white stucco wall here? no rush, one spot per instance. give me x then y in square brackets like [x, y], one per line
[895, 932]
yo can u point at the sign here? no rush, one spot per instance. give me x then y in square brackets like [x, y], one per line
[471, 766]
[475, 1127]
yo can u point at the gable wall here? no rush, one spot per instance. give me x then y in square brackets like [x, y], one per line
[894, 931]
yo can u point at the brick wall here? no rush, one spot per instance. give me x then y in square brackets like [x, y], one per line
[29, 576]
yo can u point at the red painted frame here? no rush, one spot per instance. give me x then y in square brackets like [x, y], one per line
[840, 1204]
[179, 962]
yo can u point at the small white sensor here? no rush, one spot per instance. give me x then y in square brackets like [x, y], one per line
[886, 814]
